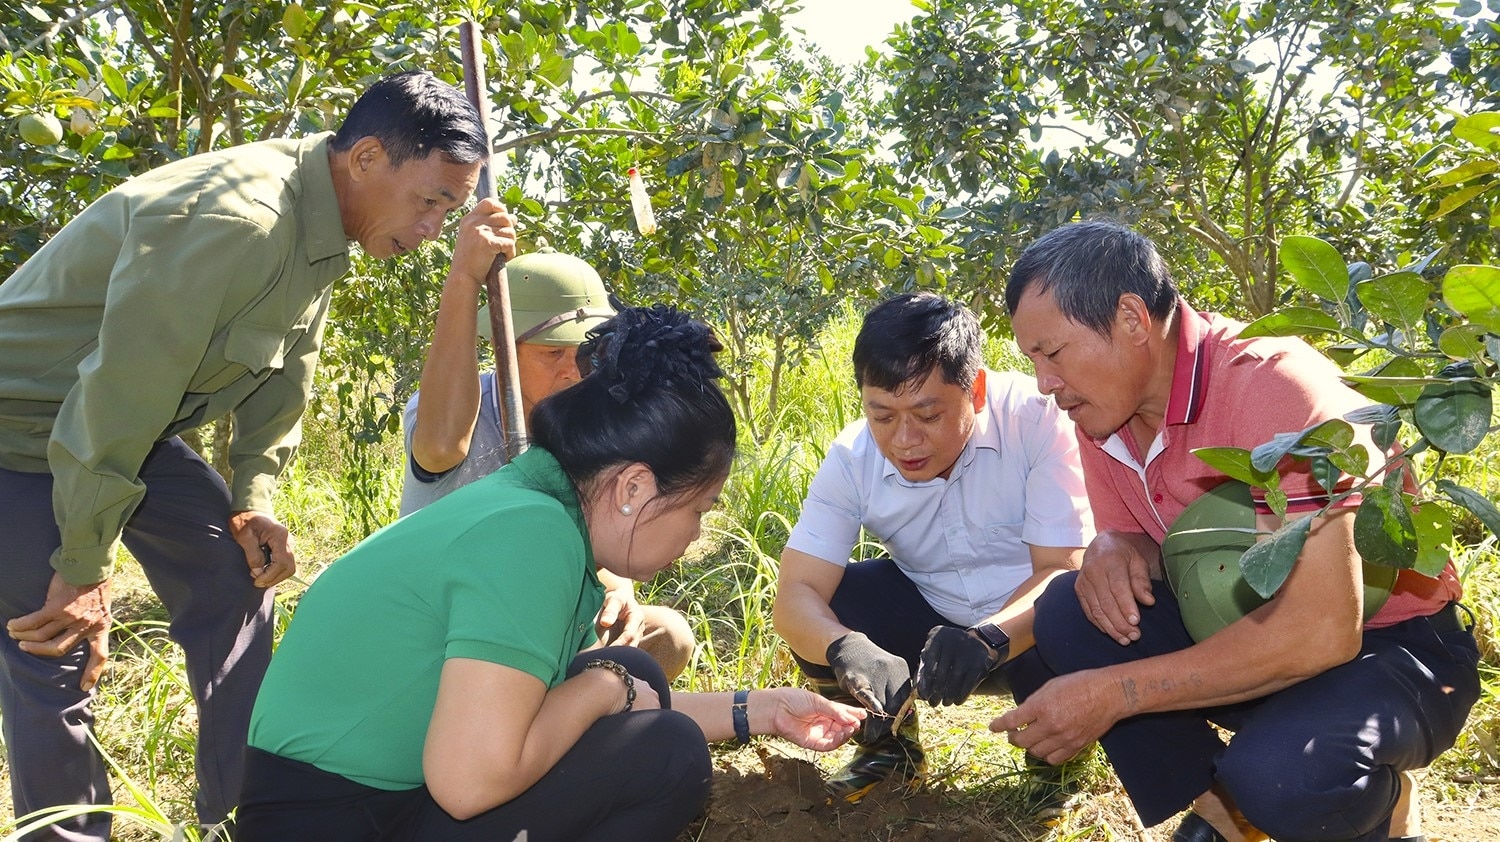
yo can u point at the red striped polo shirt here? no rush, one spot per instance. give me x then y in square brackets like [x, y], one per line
[1232, 392]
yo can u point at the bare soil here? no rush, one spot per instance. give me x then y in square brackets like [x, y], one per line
[771, 791]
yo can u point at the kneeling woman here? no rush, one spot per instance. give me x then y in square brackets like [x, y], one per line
[434, 683]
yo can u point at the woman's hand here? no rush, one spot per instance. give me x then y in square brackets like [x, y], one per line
[802, 717]
[620, 621]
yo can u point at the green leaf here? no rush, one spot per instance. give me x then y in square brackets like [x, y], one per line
[1292, 321]
[1457, 199]
[1474, 291]
[789, 175]
[1276, 500]
[239, 83]
[953, 212]
[1267, 564]
[1478, 504]
[1479, 129]
[1335, 433]
[1383, 529]
[1398, 382]
[1315, 266]
[1434, 536]
[118, 152]
[829, 167]
[1233, 462]
[1266, 457]
[295, 21]
[1465, 171]
[114, 81]
[1399, 298]
[1384, 433]
[1455, 415]
[1463, 342]
[1374, 413]
[1354, 461]
[826, 278]
[1398, 391]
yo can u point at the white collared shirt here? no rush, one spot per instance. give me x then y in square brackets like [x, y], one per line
[962, 540]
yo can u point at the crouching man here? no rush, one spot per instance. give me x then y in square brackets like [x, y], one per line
[970, 479]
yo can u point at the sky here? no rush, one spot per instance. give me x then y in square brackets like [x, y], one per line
[843, 28]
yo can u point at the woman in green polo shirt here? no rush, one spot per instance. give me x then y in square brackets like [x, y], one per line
[438, 681]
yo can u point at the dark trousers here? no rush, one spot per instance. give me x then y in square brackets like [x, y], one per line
[642, 775]
[877, 599]
[1316, 761]
[180, 535]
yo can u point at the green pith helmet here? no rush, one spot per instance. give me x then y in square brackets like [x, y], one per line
[555, 299]
[1203, 568]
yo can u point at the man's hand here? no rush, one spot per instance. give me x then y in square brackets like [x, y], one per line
[620, 622]
[487, 230]
[1066, 715]
[953, 663]
[1115, 581]
[874, 677]
[267, 546]
[72, 613]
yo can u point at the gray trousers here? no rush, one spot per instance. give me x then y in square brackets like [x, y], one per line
[180, 535]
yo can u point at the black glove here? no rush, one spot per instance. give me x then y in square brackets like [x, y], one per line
[953, 663]
[874, 677]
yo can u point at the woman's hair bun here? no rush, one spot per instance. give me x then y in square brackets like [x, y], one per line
[641, 347]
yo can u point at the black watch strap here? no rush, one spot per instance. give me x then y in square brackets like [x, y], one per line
[996, 638]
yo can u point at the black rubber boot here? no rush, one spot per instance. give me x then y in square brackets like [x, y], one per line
[899, 754]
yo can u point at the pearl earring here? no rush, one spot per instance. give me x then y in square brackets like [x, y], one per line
[625, 509]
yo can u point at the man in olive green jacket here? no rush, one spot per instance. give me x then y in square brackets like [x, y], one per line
[195, 291]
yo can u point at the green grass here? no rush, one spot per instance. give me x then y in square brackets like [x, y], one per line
[725, 586]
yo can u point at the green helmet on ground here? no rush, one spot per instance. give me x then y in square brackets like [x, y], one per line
[1203, 567]
[555, 299]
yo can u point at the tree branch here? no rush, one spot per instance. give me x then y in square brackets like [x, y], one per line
[70, 22]
[554, 133]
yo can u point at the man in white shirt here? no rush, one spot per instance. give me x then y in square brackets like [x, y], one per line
[453, 430]
[970, 480]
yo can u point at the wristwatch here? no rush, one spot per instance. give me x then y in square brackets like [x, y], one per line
[996, 638]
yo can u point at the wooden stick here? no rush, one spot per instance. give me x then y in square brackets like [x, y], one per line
[502, 329]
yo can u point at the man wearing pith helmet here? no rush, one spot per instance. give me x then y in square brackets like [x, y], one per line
[453, 430]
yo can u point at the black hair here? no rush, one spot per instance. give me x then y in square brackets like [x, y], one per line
[650, 397]
[414, 114]
[904, 338]
[1088, 266]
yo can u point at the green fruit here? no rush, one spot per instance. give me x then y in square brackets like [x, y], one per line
[41, 129]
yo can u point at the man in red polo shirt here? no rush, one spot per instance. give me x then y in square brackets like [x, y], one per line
[1327, 710]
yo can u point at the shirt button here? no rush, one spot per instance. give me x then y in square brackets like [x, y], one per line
[1156, 497]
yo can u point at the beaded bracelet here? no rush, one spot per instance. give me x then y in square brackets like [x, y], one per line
[624, 674]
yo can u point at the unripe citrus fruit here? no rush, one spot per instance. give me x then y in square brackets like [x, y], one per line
[41, 129]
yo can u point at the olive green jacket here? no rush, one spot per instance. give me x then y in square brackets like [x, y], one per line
[194, 291]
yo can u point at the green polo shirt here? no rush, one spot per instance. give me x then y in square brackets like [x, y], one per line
[191, 292]
[500, 570]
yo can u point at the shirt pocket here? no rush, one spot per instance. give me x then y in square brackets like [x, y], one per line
[250, 349]
[1002, 541]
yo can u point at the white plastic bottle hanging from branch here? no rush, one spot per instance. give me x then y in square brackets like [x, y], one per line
[640, 204]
